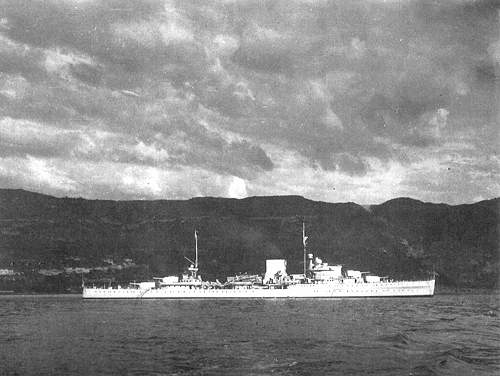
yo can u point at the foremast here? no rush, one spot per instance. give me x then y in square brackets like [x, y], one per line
[193, 268]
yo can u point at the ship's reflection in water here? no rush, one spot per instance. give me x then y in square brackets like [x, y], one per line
[65, 335]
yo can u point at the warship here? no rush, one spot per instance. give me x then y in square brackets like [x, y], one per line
[318, 280]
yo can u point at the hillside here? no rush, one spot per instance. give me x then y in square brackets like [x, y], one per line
[47, 242]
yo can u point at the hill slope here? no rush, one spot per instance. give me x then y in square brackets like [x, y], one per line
[48, 240]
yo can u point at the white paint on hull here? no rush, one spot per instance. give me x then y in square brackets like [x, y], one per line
[327, 290]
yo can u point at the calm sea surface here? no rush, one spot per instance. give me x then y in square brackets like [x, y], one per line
[64, 335]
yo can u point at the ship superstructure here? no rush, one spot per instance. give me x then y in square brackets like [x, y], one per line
[318, 280]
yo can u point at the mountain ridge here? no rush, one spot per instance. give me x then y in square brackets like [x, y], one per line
[402, 237]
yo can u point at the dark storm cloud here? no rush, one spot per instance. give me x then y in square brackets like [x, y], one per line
[216, 85]
[414, 59]
[118, 33]
[240, 158]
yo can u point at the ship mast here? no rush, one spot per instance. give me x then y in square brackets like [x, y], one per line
[196, 249]
[194, 265]
[304, 239]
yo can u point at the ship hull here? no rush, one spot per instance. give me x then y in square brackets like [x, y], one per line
[330, 290]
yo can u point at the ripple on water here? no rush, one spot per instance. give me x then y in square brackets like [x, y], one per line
[63, 335]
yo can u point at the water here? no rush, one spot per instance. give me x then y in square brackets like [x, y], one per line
[64, 335]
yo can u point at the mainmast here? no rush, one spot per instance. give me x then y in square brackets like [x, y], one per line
[304, 242]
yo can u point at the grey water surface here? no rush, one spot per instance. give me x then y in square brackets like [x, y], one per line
[65, 335]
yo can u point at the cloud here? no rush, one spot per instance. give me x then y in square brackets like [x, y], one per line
[241, 158]
[13, 86]
[225, 45]
[237, 188]
[56, 60]
[439, 120]
[18, 137]
[345, 90]
[36, 174]
[112, 180]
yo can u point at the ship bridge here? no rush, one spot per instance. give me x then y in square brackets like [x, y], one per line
[322, 271]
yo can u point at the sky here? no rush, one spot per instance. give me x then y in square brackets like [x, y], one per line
[336, 101]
